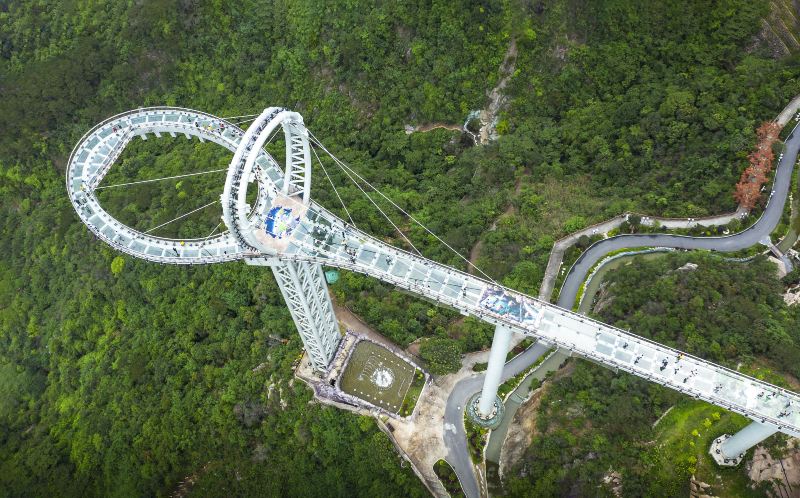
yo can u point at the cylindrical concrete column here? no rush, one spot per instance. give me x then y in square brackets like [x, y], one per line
[494, 371]
[746, 438]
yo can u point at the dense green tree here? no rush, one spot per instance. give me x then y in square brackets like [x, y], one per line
[125, 381]
[443, 355]
[593, 419]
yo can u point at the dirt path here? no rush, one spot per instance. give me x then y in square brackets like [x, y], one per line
[423, 128]
[352, 321]
[473, 256]
[488, 115]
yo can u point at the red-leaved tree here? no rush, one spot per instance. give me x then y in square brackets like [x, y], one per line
[754, 176]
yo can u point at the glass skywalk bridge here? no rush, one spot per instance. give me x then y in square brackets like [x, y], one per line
[286, 230]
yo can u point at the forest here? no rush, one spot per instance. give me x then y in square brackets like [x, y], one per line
[119, 377]
[595, 421]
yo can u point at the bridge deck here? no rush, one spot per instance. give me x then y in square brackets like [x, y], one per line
[319, 236]
[323, 238]
[101, 147]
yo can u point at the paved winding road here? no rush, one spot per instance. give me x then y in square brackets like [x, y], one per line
[742, 240]
[454, 435]
[455, 439]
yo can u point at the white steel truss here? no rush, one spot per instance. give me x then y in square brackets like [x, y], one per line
[305, 292]
[297, 181]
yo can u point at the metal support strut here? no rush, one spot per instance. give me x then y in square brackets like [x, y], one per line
[729, 450]
[306, 293]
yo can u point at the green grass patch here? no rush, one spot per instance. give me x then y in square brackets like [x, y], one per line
[477, 437]
[519, 348]
[480, 367]
[412, 395]
[449, 479]
[512, 383]
[378, 376]
[683, 439]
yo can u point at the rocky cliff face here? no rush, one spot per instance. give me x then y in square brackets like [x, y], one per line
[780, 30]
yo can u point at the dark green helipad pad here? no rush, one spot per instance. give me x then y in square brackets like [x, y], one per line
[377, 376]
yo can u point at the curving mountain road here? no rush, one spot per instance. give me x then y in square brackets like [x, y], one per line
[454, 434]
[455, 439]
[742, 240]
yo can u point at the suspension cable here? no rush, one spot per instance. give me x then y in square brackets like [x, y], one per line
[271, 137]
[275, 132]
[334, 187]
[160, 179]
[182, 216]
[344, 166]
[237, 117]
[370, 199]
[383, 213]
[237, 123]
[212, 232]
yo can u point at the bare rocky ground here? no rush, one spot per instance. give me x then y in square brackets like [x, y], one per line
[792, 296]
[699, 489]
[185, 486]
[497, 99]
[613, 480]
[780, 270]
[520, 432]
[523, 427]
[785, 472]
[487, 116]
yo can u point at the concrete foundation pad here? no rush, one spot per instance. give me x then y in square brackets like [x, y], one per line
[490, 422]
[716, 453]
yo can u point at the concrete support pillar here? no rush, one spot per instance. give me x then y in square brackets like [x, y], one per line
[494, 371]
[729, 450]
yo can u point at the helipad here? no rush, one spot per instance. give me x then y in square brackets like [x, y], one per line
[377, 376]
